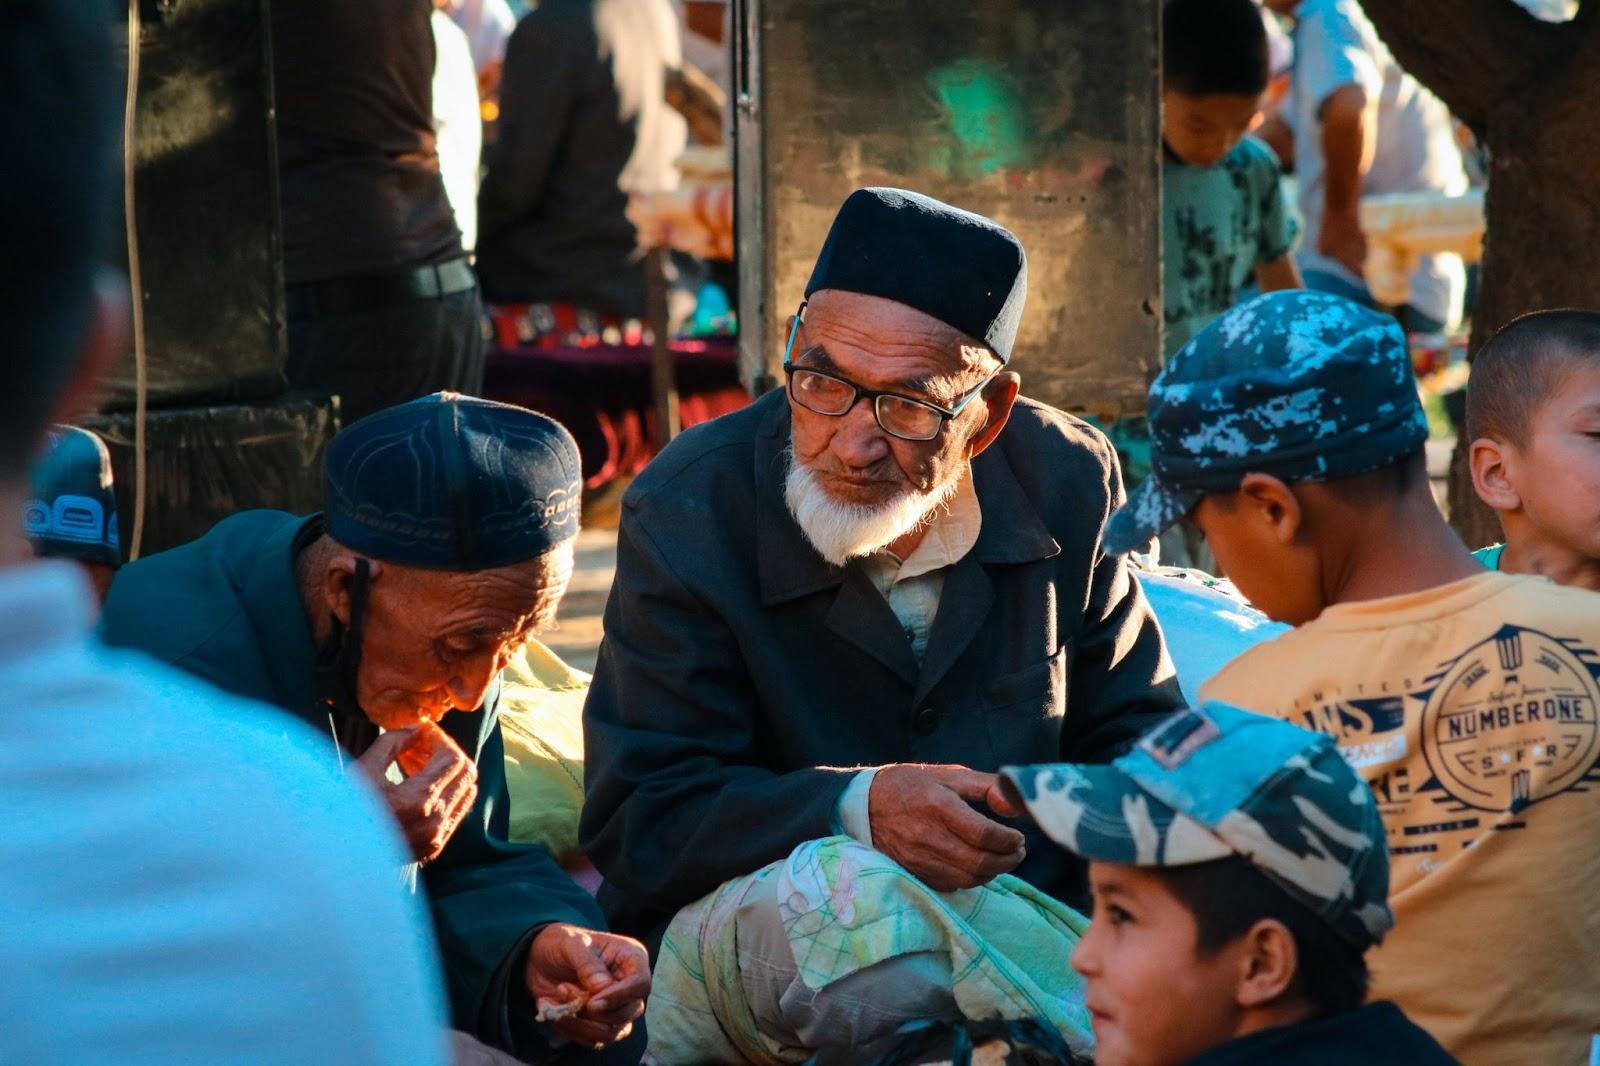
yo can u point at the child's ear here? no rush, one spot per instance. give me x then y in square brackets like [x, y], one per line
[1274, 504]
[1268, 964]
[1491, 476]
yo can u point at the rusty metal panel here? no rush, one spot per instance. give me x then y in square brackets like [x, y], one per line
[206, 207]
[1040, 113]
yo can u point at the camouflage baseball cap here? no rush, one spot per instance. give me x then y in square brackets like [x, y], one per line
[1305, 386]
[1216, 781]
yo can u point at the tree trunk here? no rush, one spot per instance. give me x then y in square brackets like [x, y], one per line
[1531, 92]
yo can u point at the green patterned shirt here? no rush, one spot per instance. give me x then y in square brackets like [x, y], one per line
[1217, 224]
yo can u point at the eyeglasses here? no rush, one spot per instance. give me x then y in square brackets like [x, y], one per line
[899, 416]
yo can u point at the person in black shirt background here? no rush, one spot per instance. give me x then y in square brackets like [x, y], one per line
[383, 305]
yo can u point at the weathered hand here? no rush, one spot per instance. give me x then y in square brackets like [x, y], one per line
[430, 803]
[609, 975]
[921, 819]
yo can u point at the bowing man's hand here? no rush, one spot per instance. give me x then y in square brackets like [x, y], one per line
[921, 818]
[589, 987]
[439, 788]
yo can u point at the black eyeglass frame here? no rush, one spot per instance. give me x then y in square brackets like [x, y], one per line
[860, 392]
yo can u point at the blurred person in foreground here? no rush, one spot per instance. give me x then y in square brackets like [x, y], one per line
[142, 925]
[385, 623]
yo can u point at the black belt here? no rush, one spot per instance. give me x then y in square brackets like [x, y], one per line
[343, 296]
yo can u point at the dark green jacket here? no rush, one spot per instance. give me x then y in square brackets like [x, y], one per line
[227, 608]
[740, 670]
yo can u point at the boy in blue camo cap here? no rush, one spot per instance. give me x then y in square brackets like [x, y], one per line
[1239, 875]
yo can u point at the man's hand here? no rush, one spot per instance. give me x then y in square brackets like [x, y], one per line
[431, 803]
[590, 986]
[921, 819]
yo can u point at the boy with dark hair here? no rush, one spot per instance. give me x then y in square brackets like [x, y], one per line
[1239, 875]
[1290, 432]
[1533, 417]
[1224, 219]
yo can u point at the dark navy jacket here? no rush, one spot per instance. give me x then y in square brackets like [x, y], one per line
[740, 670]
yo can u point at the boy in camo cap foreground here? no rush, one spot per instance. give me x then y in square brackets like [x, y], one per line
[1239, 874]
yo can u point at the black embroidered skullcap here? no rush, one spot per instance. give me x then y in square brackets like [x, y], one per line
[967, 271]
[450, 482]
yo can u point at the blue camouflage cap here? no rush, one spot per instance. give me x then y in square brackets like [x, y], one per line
[71, 512]
[1215, 781]
[1305, 386]
[451, 482]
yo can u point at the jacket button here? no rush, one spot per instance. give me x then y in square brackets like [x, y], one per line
[925, 721]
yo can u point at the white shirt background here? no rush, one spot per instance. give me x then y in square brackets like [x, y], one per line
[1416, 150]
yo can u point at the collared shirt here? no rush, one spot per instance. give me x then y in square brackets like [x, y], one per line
[913, 588]
[914, 585]
[185, 876]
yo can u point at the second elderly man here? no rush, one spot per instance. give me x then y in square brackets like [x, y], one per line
[384, 623]
[841, 610]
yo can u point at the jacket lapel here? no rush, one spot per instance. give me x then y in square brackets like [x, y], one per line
[861, 616]
[1012, 533]
[791, 568]
[963, 607]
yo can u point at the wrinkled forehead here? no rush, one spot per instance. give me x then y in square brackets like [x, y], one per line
[501, 600]
[873, 337]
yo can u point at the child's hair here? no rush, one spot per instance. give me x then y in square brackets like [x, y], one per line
[1229, 895]
[1521, 365]
[1387, 483]
[1213, 46]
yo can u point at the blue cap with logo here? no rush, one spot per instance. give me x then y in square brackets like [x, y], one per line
[1305, 386]
[72, 510]
[452, 482]
[1215, 781]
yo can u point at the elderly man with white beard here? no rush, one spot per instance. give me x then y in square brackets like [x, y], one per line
[837, 613]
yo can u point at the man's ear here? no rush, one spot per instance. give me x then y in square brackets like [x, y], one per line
[104, 337]
[999, 397]
[339, 580]
[1267, 964]
[1491, 475]
[1274, 504]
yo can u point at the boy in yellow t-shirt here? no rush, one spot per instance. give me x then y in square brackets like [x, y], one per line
[1290, 432]
[1533, 417]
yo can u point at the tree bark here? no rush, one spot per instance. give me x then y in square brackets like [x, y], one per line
[1531, 91]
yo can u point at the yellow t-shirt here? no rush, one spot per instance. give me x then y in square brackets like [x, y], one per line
[1471, 710]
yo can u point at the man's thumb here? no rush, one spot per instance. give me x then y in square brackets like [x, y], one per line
[971, 785]
[387, 747]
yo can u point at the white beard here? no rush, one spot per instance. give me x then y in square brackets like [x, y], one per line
[841, 531]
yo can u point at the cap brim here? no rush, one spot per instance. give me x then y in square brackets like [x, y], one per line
[1150, 511]
[1100, 813]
